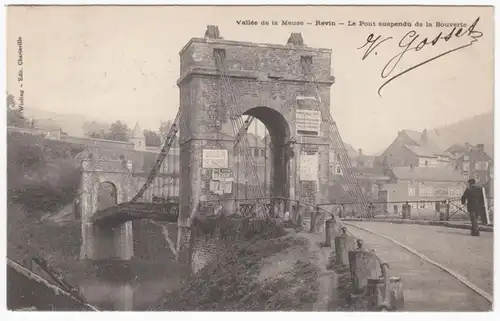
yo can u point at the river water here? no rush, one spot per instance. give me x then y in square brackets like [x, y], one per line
[128, 286]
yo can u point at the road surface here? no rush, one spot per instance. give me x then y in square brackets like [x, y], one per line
[427, 287]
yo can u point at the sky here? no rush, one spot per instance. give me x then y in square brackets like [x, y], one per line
[122, 63]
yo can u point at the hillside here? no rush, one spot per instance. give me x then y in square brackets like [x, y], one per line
[72, 124]
[474, 130]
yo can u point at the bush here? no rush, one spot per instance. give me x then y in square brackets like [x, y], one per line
[42, 174]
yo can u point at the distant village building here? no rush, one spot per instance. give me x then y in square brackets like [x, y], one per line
[137, 138]
[411, 148]
[421, 184]
[476, 163]
[363, 161]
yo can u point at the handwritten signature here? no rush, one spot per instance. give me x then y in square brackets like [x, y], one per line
[411, 42]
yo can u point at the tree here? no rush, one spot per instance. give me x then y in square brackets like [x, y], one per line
[118, 131]
[11, 101]
[152, 138]
[15, 116]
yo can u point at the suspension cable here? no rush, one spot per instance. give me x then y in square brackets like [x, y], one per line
[337, 142]
[237, 124]
[161, 156]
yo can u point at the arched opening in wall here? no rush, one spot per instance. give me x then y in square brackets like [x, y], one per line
[107, 195]
[106, 238]
[269, 145]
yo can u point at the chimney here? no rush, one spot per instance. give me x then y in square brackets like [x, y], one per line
[424, 136]
[212, 32]
[360, 152]
[480, 147]
[295, 39]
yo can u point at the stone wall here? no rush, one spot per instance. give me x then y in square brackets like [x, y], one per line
[212, 238]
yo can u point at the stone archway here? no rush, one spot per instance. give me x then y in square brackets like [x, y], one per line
[107, 195]
[253, 76]
[280, 144]
[104, 183]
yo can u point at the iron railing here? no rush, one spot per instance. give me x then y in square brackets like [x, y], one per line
[427, 210]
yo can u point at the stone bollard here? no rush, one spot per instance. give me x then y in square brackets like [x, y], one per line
[328, 232]
[320, 222]
[343, 244]
[363, 265]
[313, 218]
[336, 228]
[376, 294]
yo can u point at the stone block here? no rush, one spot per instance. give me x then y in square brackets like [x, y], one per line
[363, 265]
[376, 294]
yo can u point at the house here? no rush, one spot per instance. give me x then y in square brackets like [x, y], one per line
[334, 162]
[412, 148]
[412, 183]
[371, 180]
[476, 163]
[363, 161]
[457, 150]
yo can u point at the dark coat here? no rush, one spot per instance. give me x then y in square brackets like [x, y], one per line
[473, 196]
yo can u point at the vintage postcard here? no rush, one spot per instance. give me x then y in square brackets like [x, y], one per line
[250, 158]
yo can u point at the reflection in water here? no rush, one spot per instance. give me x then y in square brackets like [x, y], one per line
[108, 296]
[128, 286]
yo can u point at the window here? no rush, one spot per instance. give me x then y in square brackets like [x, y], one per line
[306, 62]
[465, 166]
[411, 190]
[466, 157]
[219, 55]
[454, 192]
[256, 152]
[338, 170]
[425, 191]
[466, 177]
[481, 165]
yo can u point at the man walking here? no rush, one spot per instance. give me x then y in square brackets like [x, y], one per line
[473, 196]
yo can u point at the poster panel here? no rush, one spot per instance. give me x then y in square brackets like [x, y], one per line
[308, 168]
[215, 158]
[308, 122]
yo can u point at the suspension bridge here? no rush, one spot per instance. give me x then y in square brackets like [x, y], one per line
[225, 86]
[286, 87]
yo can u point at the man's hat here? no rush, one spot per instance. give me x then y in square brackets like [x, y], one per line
[471, 181]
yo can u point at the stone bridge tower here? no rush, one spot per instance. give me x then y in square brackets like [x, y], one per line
[269, 82]
[105, 183]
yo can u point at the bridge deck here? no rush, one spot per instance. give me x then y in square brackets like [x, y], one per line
[115, 215]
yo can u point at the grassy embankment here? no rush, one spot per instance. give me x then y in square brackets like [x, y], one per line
[271, 270]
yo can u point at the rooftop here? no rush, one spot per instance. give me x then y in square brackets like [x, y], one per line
[137, 132]
[436, 174]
